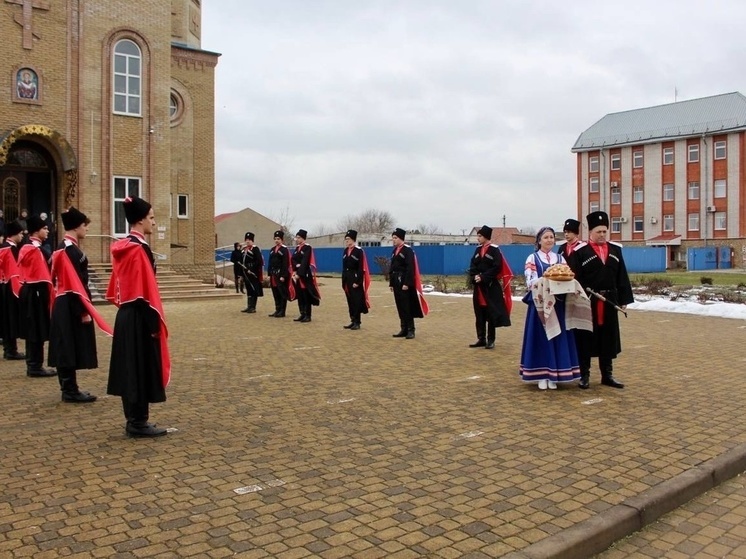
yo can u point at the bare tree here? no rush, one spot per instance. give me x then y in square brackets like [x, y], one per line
[324, 229]
[368, 221]
[430, 229]
[285, 219]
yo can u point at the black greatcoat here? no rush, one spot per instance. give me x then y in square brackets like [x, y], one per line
[72, 343]
[278, 267]
[253, 265]
[308, 293]
[9, 308]
[135, 369]
[609, 279]
[401, 274]
[352, 273]
[489, 268]
[34, 307]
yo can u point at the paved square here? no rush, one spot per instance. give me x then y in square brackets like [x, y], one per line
[307, 440]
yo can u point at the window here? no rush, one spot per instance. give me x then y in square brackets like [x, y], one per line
[637, 195]
[173, 106]
[668, 192]
[637, 159]
[720, 150]
[123, 187]
[593, 164]
[182, 206]
[593, 184]
[720, 188]
[639, 225]
[693, 155]
[668, 222]
[693, 191]
[668, 156]
[616, 195]
[594, 207]
[720, 221]
[127, 77]
[693, 222]
[616, 162]
[616, 224]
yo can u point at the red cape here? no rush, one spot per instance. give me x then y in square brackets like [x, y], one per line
[418, 285]
[68, 281]
[506, 276]
[133, 278]
[9, 269]
[33, 268]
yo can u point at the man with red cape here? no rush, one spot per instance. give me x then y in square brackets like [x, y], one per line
[140, 364]
[304, 277]
[72, 338]
[35, 297]
[493, 300]
[355, 280]
[405, 283]
[9, 289]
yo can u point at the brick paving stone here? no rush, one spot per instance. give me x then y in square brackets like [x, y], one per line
[378, 445]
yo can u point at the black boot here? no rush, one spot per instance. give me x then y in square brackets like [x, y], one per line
[479, 343]
[355, 326]
[307, 316]
[410, 334]
[490, 344]
[69, 387]
[281, 309]
[607, 379]
[252, 304]
[35, 361]
[137, 421]
[585, 380]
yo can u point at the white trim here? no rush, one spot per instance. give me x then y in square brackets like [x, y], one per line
[179, 215]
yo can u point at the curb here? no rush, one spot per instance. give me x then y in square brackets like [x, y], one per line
[598, 533]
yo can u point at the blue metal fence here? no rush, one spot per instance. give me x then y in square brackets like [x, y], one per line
[452, 260]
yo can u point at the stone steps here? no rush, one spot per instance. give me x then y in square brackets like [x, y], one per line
[172, 286]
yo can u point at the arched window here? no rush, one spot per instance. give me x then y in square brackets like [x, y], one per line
[127, 78]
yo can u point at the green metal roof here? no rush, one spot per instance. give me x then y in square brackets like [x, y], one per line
[707, 115]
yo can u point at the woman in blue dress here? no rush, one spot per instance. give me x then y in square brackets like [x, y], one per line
[546, 361]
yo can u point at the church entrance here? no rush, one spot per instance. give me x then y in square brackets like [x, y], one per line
[28, 182]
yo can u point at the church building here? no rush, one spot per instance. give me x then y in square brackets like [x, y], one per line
[102, 99]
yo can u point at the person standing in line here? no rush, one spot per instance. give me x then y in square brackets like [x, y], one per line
[355, 280]
[404, 282]
[236, 256]
[72, 338]
[140, 367]
[599, 265]
[548, 352]
[492, 296]
[36, 295]
[252, 266]
[278, 270]
[304, 277]
[23, 220]
[9, 289]
[571, 230]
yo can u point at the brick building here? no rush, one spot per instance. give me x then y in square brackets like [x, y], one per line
[104, 98]
[671, 175]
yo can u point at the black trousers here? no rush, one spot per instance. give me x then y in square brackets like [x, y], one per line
[136, 413]
[280, 301]
[403, 302]
[584, 345]
[484, 323]
[34, 355]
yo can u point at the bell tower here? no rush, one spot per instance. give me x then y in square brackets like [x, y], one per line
[186, 23]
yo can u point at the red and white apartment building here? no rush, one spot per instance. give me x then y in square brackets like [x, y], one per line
[671, 175]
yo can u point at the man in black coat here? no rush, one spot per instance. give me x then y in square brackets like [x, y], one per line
[355, 280]
[72, 338]
[236, 257]
[252, 266]
[490, 306]
[278, 270]
[304, 277]
[404, 282]
[599, 265]
[9, 307]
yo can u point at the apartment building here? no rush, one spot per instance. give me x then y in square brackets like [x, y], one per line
[670, 175]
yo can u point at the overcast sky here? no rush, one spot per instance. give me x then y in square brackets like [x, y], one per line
[445, 112]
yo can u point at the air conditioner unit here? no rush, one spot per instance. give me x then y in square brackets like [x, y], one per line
[712, 209]
[622, 220]
[614, 184]
[653, 220]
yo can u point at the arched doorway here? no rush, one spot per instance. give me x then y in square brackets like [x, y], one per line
[38, 172]
[28, 181]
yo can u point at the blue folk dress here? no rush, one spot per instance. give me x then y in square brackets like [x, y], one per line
[543, 359]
